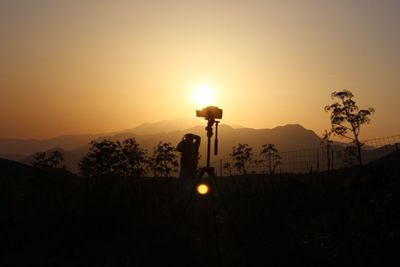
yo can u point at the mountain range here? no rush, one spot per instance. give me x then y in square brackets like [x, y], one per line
[286, 138]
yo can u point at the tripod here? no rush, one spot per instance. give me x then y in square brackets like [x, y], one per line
[215, 192]
[212, 181]
[208, 169]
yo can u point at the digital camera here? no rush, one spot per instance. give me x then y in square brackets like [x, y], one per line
[209, 113]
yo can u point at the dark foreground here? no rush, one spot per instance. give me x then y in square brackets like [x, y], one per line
[347, 218]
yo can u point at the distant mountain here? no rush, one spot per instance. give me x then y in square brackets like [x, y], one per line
[286, 138]
[15, 148]
[28, 146]
[162, 126]
[237, 126]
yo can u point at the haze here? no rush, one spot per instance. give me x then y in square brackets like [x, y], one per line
[70, 67]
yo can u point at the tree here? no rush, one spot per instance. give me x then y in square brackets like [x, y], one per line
[49, 160]
[242, 156]
[346, 118]
[164, 159]
[40, 160]
[103, 159]
[271, 155]
[133, 158]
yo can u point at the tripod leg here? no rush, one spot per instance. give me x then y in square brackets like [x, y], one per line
[211, 177]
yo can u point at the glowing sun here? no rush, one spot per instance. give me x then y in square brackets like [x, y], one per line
[203, 95]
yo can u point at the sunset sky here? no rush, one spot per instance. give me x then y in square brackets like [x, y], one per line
[69, 67]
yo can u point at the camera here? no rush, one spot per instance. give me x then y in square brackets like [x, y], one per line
[210, 113]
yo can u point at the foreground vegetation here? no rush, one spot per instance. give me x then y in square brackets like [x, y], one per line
[51, 217]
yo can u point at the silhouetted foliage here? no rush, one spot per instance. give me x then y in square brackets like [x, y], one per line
[272, 157]
[103, 159]
[242, 156]
[49, 160]
[133, 158]
[347, 118]
[40, 160]
[164, 160]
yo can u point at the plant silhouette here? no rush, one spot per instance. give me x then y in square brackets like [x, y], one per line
[50, 160]
[164, 160]
[272, 157]
[133, 158]
[242, 156]
[346, 118]
[103, 159]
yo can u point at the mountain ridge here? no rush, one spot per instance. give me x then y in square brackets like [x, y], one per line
[286, 138]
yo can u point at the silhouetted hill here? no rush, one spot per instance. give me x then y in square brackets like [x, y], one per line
[13, 168]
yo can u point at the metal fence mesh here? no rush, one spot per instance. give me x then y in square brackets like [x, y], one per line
[314, 159]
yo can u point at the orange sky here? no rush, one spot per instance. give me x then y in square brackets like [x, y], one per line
[103, 66]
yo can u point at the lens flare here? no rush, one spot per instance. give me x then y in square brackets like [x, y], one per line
[203, 189]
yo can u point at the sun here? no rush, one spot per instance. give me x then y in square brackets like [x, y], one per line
[203, 95]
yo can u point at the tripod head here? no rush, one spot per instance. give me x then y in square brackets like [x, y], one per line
[210, 114]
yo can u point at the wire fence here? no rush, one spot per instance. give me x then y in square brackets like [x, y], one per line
[324, 158]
